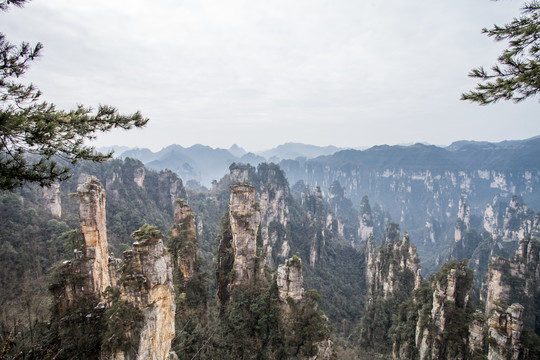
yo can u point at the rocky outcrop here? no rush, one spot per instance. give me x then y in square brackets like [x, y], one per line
[497, 288]
[515, 280]
[52, 200]
[317, 215]
[365, 217]
[274, 196]
[505, 328]
[463, 222]
[433, 324]
[394, 267]
[146, 283]
[510, 223]
[451, 294]
[476, 333]
[295, 305]
[138, 176]
[290, 280]
[183, 243]
[245, 218]
[93, 225]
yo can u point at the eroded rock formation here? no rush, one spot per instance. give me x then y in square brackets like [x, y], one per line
[394, 267]
[244, 219]
[52, 199]
[92, 219]
[183, 244]
[290, 280]
[146, 283]
[505, 328]
[134, 297]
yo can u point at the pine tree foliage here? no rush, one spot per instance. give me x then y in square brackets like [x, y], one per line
[516, 77]
[37, 140]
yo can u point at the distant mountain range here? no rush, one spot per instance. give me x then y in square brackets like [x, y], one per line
[203, 164]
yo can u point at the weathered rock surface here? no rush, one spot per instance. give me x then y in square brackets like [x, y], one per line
[245, 219]
[290, 280]
[365, 218]
[52, 199]
[143, 280]
[463, 223]
[274, 216]
[388, 268]
[93, 225]
[505, 327]
[183, 243]
[146, 282]
[515, 279]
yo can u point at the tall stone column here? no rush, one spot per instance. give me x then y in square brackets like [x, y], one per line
[92, 220]
[245, 219]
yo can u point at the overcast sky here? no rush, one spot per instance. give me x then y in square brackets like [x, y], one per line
[259, 73]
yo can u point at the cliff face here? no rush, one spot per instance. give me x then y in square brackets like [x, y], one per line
[448, 328]
[463, 223]
[416, 195]
[434, 323]
[244, 219]
[392, 272]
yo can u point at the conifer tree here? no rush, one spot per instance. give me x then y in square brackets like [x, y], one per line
[38, 141]
[517, 74]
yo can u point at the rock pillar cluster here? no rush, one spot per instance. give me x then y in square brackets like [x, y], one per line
[393, 268]
[141, 281]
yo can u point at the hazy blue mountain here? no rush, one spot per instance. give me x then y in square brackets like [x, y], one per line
[237, 151]
[204, 164]
[295, 150]
[144, 155]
